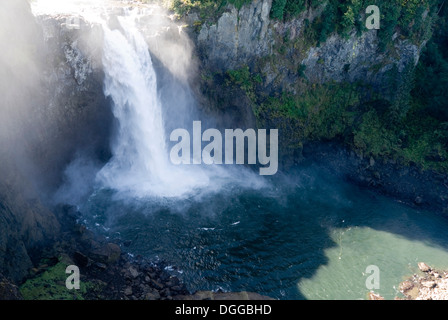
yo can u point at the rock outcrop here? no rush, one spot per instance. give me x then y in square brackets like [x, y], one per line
[248, 36]
[77, 115]
[429, 284]
[237, 37]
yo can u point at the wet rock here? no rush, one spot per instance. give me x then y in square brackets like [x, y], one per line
[165, 292]
[80, 259]
[406, 286]
[418, 200]
[153, 295]
[173, 281]
[428, 284]
[133, 272]
[424, 267]
[374, 296]
[106, 253]
[177, 288]
[128, 291]
[100, 265]
[156, 284]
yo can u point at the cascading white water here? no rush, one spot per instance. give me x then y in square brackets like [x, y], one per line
[130, 81]
[140, 162]
[140, 165]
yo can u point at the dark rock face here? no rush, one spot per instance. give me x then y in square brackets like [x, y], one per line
[247, 36]
[52, 107]
[8, 290]
[425, 189]
[24, 229]
[77, 114]
[237, 37]
[24, 223]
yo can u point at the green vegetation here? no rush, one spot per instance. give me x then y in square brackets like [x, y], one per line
[409, 123]
[323, 111]
[245, 80]
[339, 111]
[206, 8]
[50, 285]
[342, 16]
[360, 118]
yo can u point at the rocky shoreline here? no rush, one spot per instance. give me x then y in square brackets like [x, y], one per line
[428, 284]
[411, 185]
[107, 272]
[111, 273]
[431, 284]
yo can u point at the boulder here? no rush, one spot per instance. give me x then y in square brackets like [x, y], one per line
[80, 259]
[375, 296]
[428, 284]
[128, 291]
[133, 272]
[108, 253]
[406, 286]
[424, 267]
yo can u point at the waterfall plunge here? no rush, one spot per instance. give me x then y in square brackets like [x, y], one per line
[140, 162]
[140, 165]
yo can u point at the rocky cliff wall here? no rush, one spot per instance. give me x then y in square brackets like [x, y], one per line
[292, 78]
[248, 36]
[52, 108]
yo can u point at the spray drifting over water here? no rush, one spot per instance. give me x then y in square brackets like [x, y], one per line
[140, 164]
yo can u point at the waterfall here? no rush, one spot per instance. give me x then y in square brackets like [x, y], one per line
[139, 147]
[140, 161]
[140, 165]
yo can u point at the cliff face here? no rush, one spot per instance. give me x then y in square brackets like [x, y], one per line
[52, 108]
[77, 115]
[282, 74]
[353, 87]
[248, 36]
[239, 36]
[24, 222]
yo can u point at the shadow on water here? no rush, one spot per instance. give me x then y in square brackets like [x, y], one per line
[267, 240]
[274, 240]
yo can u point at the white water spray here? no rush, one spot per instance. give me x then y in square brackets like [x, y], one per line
[140, 165]
[140, 162]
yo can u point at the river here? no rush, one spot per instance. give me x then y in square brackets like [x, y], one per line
[302, 236]
[299, 234]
